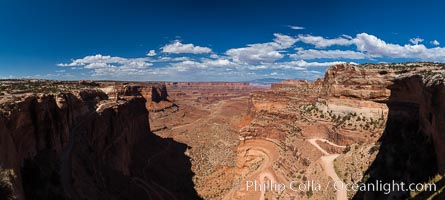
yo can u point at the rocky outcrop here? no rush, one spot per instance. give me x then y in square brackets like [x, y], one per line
[41, 123]
[413, 90]
[394, 110]
[423, 95]
[157, 98]
[88, 83]
[159, 104]
[82, 146]
[130, 90]
[412, 144]
[289, 84]
[159, 93]
[352, 81]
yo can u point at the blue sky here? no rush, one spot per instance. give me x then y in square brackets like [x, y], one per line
[201, 40]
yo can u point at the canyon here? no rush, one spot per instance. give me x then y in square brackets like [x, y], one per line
[206, 140]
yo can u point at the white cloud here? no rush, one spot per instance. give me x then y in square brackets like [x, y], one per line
[297, 65]
[297, 27]
[258, 60]
[283, 41]
[327, 54]
[224, 69]
[369, 46]
[169, 59]
[302, 63]
[435, 43]
[110, 66]
[203, 64]
[93, 59]
[379, 48]
[177, 47]
[7, 77]
[262, 52]
[416, 40]
[321, 42]
[151, 53]
[346, 36]
[254, 54]
[217, 62]
[257, 67]
[276, 74]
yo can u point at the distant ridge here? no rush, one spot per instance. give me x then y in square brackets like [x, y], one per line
[266, 80]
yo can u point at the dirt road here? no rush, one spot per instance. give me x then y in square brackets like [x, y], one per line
[327, 162]
[253, 151]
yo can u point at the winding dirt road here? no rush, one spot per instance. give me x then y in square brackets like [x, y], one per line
[218, 108]
[185, 125]
[253, 150]
[327, 162]
[263, 176]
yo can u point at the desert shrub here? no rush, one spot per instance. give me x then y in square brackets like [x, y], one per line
[5, 185]
[347, 149]
[374, 148]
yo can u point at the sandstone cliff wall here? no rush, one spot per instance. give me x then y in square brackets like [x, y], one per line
[425, 96]
[413, 89]
[83, 146]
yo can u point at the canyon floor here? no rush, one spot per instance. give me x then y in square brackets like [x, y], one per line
[231, 144]
[208, 123]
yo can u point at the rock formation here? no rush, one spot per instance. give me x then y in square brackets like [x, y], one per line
[80, 145]
[388, 116]
[289, 84]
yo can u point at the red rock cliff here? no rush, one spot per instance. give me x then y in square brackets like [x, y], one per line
[83, 146]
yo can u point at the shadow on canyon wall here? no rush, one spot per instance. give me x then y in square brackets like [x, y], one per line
[159, 170]
[110, 154]
[406, 151]
[166, 167]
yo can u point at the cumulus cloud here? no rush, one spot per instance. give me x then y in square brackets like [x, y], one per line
[416, 40]
[297, 27]
[169, 59]
[303, 63]
[203, 64]
[346, 36]
[369, 46]
[110, 65]
[257, 67]
[379, 48]
[177, 47]
[321, 42]
[327, 54]
[94, 59]
[281, 57]
[262, 52]
[213, 55]
[435, 43]
[151, 53]
[206, 69]
[225, 69]
[276, 74]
